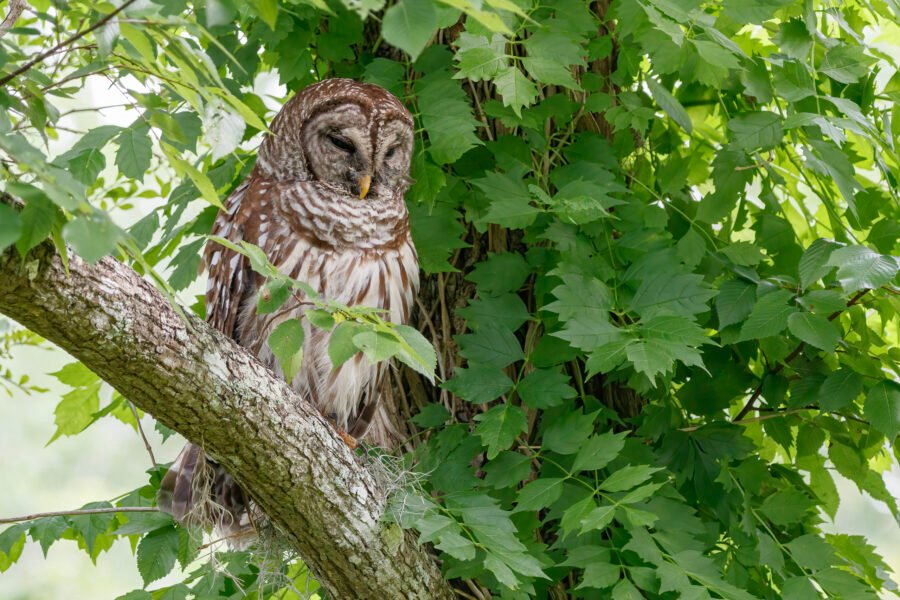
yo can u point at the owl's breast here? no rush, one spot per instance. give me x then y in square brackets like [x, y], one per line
[386, 279]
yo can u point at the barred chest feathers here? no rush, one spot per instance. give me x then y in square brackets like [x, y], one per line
[356, 252]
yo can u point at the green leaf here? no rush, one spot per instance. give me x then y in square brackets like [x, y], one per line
[769, 316]
[516, 90]
[846, 63]
[823, 302]
[12, 541]
[93, 236]
[599, 451]
[786, 507]
[567, 434]
[592, 334]
[840, 389]
[509, 201]
[800, 588]
[133, 157]
[47, 530]
[815, 330]
[436, 231]
[273, 295]
[490, 345]
[551, 56]
[75, 412]
[478, 384]
[758, 130]
[882, 408]
[156, 554]
[506, 311]
[753, 11]
[267, 10]
[446, 115]
[447, 536]
[478, 58]
[670, 104]
[649, 358]
[37, 219]
[286, 343]
[544, 388]
[500, 273]
[377, 345]
[861, 268]
[499, 427]
[625, 590]
[187, 265]
[540, 493]
[600, 576]
[735, 302]
[814, 262]
[581, 296]
[10, 226]
[599, 518]
[671, 292]
[744, 254]
[144, 522]
[92, 526]
[431, 415]
[507, 470]
[409, 25]
[340, 346]
[417, 353]
[628, 477]
[320, 318]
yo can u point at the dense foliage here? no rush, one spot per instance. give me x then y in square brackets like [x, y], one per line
[659, 239]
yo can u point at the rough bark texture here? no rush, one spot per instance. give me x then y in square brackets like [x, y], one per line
[204, 386]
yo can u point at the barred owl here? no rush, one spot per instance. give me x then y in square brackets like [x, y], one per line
[325, 203]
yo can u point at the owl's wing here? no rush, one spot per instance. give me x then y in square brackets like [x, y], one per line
[230, 277]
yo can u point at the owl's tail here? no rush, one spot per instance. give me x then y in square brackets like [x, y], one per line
[198, 492]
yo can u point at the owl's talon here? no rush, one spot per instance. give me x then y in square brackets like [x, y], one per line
[351, 441]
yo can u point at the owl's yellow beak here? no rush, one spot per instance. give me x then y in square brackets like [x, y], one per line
[364, 182]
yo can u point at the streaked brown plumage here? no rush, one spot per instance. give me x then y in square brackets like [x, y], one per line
[331, 144]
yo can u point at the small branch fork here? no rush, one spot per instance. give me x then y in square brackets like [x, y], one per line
[790, 357]
[40, 57]
[75, 513]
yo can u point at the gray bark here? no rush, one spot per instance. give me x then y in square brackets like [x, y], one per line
[203, 385]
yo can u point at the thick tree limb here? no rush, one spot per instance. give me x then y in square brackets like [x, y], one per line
[201, 384]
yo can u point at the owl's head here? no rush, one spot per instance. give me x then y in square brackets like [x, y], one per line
[354, 136]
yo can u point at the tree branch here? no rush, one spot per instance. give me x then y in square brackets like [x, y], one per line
[75, 513]
[203, 385]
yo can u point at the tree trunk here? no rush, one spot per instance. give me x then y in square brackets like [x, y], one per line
[203, 385]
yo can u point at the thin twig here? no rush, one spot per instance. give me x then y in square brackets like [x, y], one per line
[40, 57]
[83, 511]
[140, 429]
[790, 357]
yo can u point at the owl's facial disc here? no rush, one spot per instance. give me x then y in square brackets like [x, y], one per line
[365, 153]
